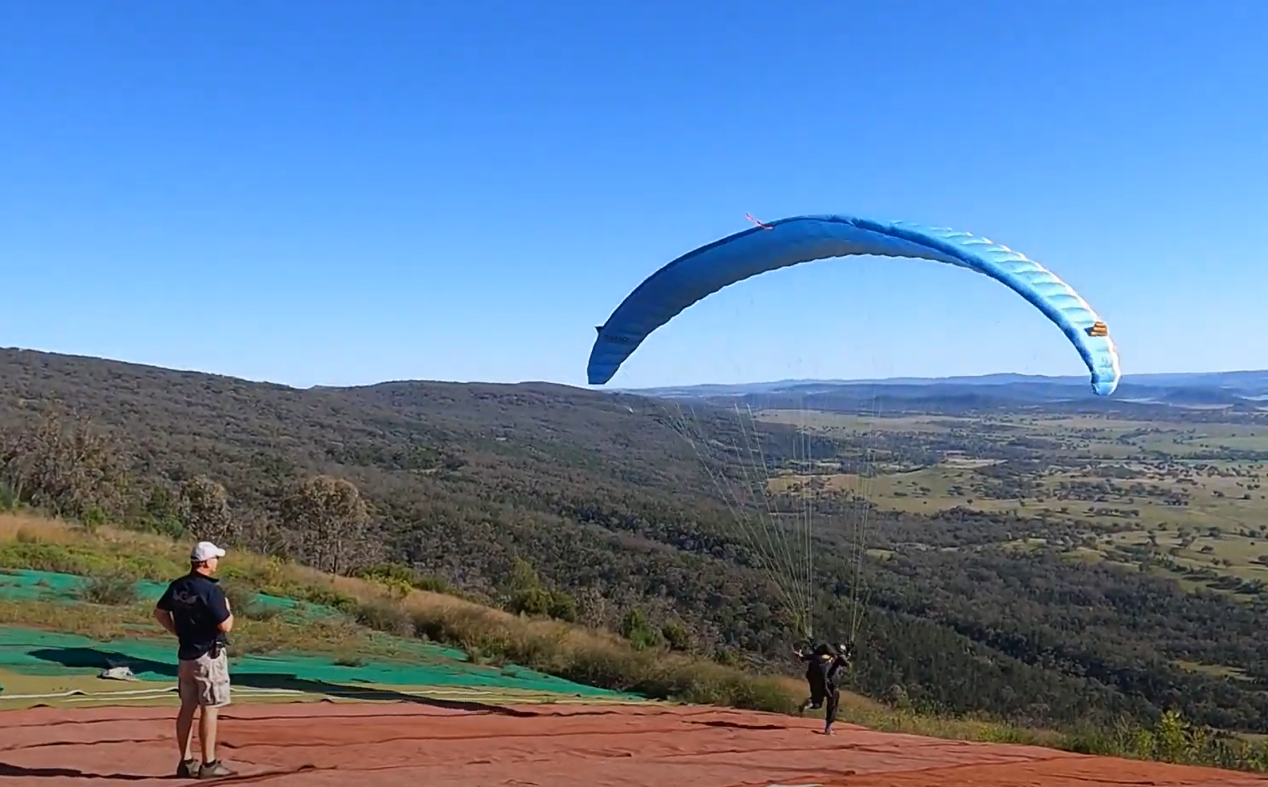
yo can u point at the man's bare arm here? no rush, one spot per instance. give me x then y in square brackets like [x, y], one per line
[165, 620]
[226, 625]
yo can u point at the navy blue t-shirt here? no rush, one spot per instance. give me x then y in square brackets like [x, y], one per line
[198, 607]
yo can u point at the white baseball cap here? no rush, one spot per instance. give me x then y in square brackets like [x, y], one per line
[205, 550]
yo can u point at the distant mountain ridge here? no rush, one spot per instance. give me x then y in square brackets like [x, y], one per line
[1240, 390]
[1250, 379]
[1245, 390]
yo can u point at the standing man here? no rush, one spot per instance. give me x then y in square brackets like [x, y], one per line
[194, 609]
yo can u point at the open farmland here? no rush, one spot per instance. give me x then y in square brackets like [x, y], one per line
[1179, 497]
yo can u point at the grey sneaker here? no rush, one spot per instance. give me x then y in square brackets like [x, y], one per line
[188, 769]
[215, 770]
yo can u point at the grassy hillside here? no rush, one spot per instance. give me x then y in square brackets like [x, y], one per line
[589, 507]
[111, 560]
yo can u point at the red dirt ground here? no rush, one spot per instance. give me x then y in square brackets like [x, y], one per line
[305, 745]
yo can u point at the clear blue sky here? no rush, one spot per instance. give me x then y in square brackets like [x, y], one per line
[347, 192]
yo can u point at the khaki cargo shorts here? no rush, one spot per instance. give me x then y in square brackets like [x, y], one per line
[204, 680]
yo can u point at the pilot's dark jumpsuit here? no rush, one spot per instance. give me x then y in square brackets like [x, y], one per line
[824, 669]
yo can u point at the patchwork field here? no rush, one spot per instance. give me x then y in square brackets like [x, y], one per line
[1184, 498]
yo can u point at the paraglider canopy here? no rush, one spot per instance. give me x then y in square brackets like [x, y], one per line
[779, 244]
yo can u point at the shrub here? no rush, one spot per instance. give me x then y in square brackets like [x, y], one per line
[116, 588]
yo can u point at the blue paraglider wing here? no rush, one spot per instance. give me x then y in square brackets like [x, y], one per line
[791, 241]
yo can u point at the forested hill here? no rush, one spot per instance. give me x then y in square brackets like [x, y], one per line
[608, 503]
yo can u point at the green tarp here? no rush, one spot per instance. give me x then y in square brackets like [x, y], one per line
[33, 652]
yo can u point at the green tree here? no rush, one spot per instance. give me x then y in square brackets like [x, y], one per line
[676, 635]
[203, 509]
[66, 467]
[636, 627]
[331, 521]
[526, 594]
